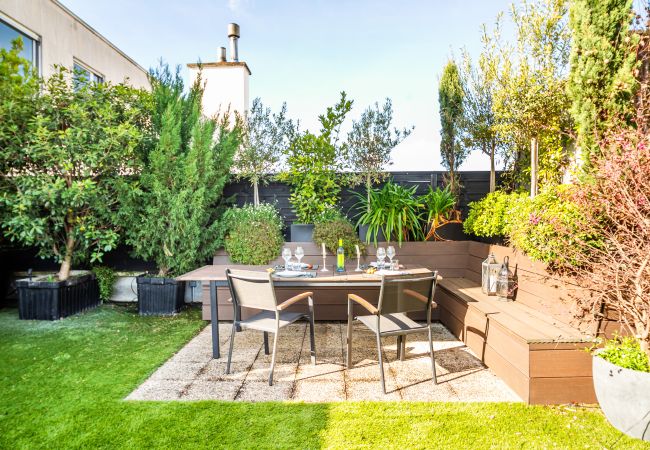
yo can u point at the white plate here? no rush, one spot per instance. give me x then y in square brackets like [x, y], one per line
[289, 274]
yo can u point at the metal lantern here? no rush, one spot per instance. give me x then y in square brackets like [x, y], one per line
[506, 283]
[489, 274]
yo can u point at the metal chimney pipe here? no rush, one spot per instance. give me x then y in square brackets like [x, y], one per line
[233, 35]
[222, 54]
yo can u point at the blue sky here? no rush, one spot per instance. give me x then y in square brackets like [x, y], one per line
[306, 52]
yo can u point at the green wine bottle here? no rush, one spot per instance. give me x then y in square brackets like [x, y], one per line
[340, 257]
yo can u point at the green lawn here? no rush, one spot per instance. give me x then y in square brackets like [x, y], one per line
[62, 385]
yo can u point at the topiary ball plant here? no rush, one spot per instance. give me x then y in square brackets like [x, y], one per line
[331, 231]
[252, 234]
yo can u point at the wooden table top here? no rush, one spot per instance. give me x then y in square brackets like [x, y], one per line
[218, 273]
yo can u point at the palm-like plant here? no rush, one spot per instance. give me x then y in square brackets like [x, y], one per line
[439, 205]
[393, 209]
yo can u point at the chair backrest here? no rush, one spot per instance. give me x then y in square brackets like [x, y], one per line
[252, 289]
[406, 293]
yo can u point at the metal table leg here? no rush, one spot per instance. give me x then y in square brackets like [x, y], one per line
[214, 318]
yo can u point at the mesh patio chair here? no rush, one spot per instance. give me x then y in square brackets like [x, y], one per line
[397, 296]
[252, 289]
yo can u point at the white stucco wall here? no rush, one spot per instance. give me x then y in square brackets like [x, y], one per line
[65, 37]
[226, 86]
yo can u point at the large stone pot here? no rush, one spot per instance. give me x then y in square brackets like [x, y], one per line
[624, 397]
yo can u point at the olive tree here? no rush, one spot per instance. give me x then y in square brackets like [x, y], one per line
[266, 137]
[371, 141]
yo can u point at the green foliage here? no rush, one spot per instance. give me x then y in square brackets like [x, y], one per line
[603, 60]
[530, 100]
[329, 214]
[626, 352]
[490, 216]
[438, 204]
[19, 89]
[533, 227]
[106, 279]
[394, 210]
[252, 234]
[371, 141]
[450, 98]
[266, 137]
[331, 231]
[171, 213]
[314, 162]
[77, 146]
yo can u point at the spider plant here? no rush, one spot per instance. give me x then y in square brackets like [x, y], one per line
[393, 209]
[439, 205]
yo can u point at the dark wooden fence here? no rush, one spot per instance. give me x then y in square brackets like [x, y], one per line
[475, 185]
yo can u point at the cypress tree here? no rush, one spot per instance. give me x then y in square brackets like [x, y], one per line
[602, 81]
[450, 98]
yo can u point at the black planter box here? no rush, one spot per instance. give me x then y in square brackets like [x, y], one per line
[159, 296]
[302, 232]
[366, 237]
[53, 300]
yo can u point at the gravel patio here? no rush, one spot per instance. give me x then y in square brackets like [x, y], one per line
[192, 374]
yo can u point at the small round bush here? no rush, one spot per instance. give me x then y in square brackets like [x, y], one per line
[253, 235]
[331, 231]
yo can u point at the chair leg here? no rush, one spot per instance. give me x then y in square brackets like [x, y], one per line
[348, 356]
[381, 364]
[232, 342]
[266, 343]
[402, 351]
[312, 338]
[275, 349]
[399, 347]
[433, 359]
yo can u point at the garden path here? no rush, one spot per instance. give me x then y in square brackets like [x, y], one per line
[192, 374]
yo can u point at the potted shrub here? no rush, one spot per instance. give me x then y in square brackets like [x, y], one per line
[314, 165]
[332, 226]
[67, 166]
[440, 212]
[369, 149]
[171, 215]
[252, 234]
[393, 211]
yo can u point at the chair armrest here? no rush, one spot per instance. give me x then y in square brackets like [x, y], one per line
[363, 302]
[416, 295]
[285, 304]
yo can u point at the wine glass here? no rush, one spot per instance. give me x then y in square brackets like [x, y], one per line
[299, 254]
[381, 256]
[286, 255]
[390, 252]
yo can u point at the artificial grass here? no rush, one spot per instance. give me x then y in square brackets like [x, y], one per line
[62, 385]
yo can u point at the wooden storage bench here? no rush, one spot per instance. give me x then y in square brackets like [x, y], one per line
[542, 359]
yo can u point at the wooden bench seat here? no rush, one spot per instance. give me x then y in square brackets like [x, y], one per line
[541, 358]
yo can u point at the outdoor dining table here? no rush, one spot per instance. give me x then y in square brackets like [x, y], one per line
[215, 275]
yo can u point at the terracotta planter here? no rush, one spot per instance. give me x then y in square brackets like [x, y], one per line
[624, 397]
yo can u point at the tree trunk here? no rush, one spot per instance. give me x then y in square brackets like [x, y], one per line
[66, 265]
[368, 187]
[493, 176]
[256, 193]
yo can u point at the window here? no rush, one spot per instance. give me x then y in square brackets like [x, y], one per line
[9, 33]
[83, 74]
